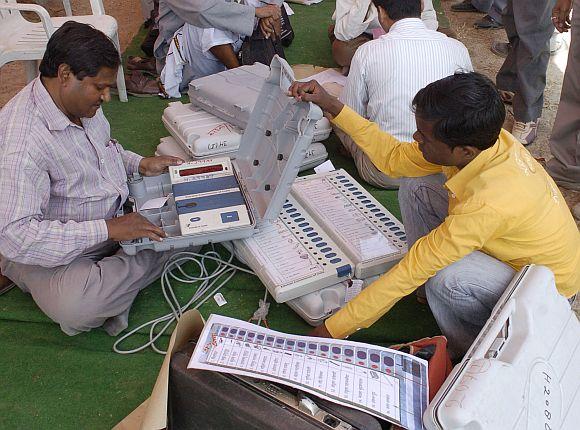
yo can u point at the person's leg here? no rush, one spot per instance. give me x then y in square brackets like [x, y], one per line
[532, 54]
[366, 169]
[97, 286]
[565, 139]
[497, 9]
[462, 296]
[424, 204]
[506, 78]
[343, 51]
[482, 5]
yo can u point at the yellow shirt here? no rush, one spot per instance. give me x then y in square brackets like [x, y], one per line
[502, 203]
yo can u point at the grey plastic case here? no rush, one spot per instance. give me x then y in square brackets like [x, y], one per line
[231, 95]
[273, 146]
[315, 155]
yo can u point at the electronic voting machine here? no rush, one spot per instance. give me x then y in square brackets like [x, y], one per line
[522, 371]
[219, 199]
[329, 230]
[232, 94]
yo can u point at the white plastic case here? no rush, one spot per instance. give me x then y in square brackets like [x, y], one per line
[199, 132]
[169, 146]
[232, 94]
[273, 147]
[522, 371]
[317, 306]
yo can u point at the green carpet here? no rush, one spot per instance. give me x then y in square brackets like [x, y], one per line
[50, 380]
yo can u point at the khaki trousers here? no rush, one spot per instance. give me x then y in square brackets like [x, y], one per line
[97, 289]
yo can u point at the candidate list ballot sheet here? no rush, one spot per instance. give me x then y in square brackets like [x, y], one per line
[383, 382]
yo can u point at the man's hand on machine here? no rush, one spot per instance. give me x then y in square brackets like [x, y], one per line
[320, 331]
[312, 91]
[133, 226]
[153, 166]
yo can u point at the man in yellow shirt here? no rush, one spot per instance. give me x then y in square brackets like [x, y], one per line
[475, 204]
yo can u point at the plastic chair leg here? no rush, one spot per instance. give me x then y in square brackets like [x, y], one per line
[121, 88]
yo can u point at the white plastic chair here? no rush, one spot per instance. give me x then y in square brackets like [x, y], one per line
[26, 41]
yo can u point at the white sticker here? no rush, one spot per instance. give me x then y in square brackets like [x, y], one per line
[220, 300]
[327, 166]
[353, 288]
[155, 203]
[289, 10]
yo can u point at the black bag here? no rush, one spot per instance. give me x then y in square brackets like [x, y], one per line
[202, 399]
[287, 33]
[257, 49]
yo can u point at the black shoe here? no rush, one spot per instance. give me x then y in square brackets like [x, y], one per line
[488, 23]
[464, 6]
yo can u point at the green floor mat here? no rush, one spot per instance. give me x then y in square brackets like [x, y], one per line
[50, 380]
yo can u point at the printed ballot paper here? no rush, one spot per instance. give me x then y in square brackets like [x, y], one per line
[386, 383]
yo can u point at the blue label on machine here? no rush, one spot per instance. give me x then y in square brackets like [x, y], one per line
[230, 216]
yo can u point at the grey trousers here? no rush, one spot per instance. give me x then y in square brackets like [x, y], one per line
[528, 25]
[462, 295]
[97, 289]
[365, 167]
[493, 8]
[565, 139]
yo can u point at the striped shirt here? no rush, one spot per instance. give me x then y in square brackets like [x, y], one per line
[58, 181]
[386, 73]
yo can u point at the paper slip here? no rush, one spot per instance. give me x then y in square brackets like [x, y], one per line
[155, 203]
[386, 383]
[328, 76]
[327, 166]
[220, 299]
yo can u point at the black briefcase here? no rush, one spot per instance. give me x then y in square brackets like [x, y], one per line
[202, 399]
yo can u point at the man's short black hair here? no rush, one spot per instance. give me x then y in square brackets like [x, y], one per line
[85, 49]
[399, 9]
[466, 108]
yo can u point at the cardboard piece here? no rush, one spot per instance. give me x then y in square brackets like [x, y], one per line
[152, 413]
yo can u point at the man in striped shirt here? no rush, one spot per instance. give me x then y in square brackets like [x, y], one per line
[62, 180]
[387, 72]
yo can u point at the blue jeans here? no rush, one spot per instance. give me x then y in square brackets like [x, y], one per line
[462, 295]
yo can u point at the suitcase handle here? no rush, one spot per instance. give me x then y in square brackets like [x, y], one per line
[482, 348]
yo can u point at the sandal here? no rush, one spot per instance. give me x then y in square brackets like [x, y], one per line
[506, 96]
[140, 85]
[146, 64]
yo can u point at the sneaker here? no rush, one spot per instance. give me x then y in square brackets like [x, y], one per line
[501, 49]
[488, 23]
[525, 132]
[464, 6]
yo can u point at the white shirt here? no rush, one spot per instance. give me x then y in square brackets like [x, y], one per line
[354, 17]
[386, 73]
[193, 48]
